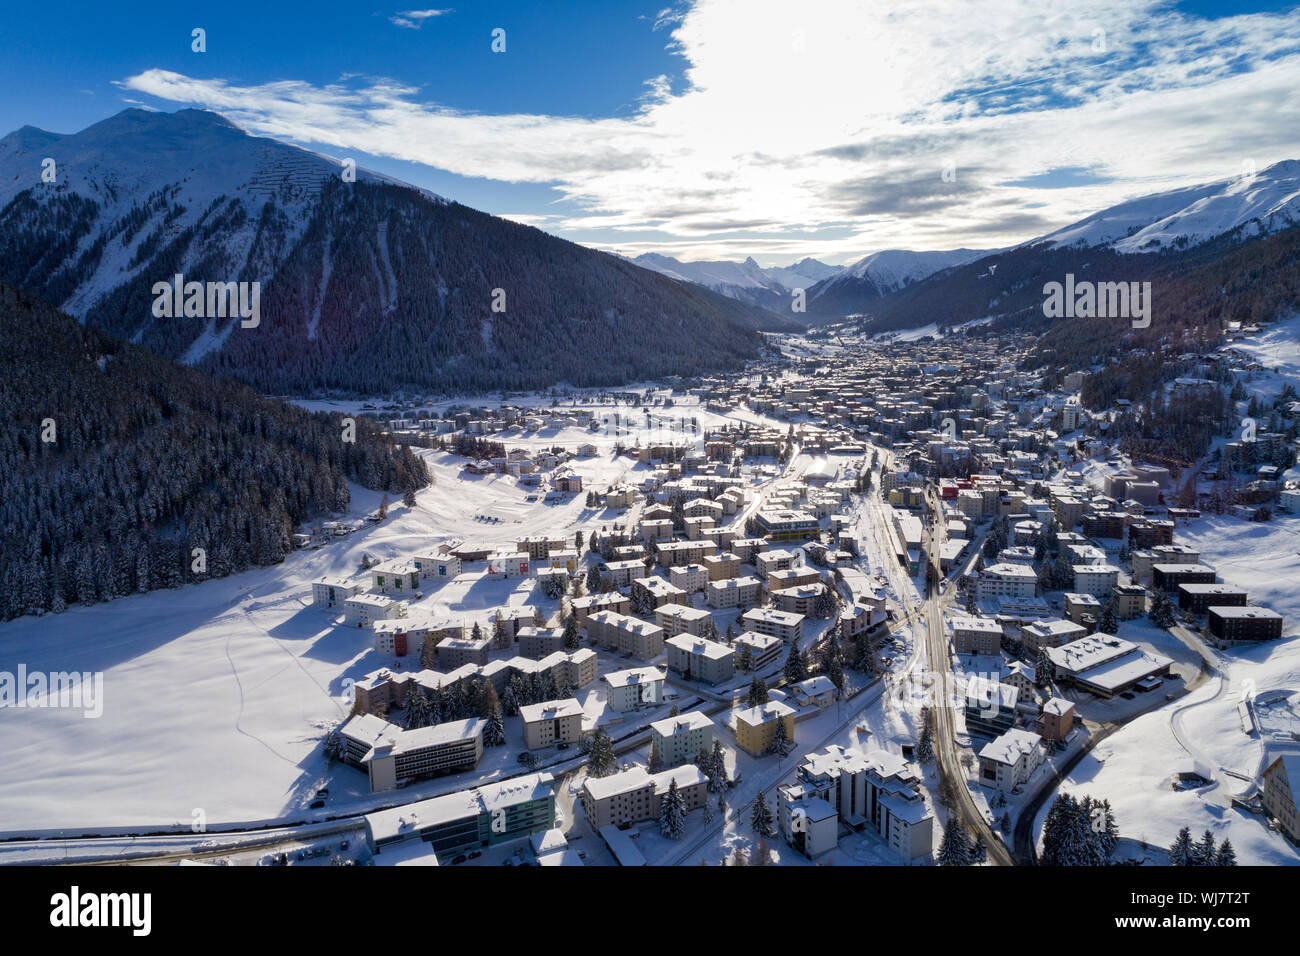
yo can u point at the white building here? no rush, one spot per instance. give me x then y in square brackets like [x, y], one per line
[678, 739]
[634, 688]
[1009, 760]
[331, 592]
[364, 609]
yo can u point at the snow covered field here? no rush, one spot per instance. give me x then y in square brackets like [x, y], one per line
[1135, 767]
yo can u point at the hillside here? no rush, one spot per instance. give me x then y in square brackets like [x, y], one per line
[368, 286]
[150, 460]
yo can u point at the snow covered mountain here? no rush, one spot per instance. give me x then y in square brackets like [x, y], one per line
[879, 274]
[367, 283]
[768, 287]
[898, 289]
[1256, 205]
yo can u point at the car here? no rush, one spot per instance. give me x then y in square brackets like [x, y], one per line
[562, 745]
[475, 854]
[344, 845]
[459, 858]
[1127, 695]
[316, 804]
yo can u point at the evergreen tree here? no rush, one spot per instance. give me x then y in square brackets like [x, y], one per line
[1042, 667]
[796, 669]
[757, 692]
[925, 743]
[1109, 621]
[672, 813]
[1182, 850]
[954, 848]
[979, 852]
[1203, 854]
[780, 739]
[601, 760]
[571, 638]
[1227, 856]
[760, 818]
[494, 733]
[744, 659]
[1162, 611]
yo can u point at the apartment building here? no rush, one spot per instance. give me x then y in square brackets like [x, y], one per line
[976, 635]
[786, 525]
[656, 592]
[609, 601]
[777, 559]
[1083, 609]
[734, 592]
[485, 815]
[764, 649]
[689, 577]
[400, 756]
[634, 688]
[765, 620]
[680, 619]
[1010, 759]
[332, 592]
[755, 726]
[695, 658]
[990, 708]
[1130, 600]
[1006, 580]
[364, 609]
[1199, 598]
[551, 722]
[1057, 719]
[397, 577]
[1239, 625]
[1050, 633]
[634, 795]
[722, 566]
[678, 553]
[455, 652]
[864, 788]
[627, 635]
[800, 599]
[538, 642]
[621, 574]
[1095, 579]
[678, 739]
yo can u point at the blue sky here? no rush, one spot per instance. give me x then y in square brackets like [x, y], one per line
[712, 128]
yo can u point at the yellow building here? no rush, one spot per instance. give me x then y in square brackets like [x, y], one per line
[755, 726]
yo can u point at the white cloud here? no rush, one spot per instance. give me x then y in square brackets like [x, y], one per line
[414, 19]
[794, 123]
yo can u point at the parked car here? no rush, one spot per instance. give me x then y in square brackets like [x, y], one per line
[459, 858]
[562, 745]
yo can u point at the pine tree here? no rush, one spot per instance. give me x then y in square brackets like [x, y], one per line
[1227, 856]
[1182, 849]
[672, 813]
[1203, 853]
[979, 852]
[757, 692]
[744, 658]
[1042, 667]
[571, 638]
[780, 739]
[760, 818]
[1162, 611]
[795, 667]
[925, 743]
[601, 761]
[954, 849]
[494, 733]
[1109, 622]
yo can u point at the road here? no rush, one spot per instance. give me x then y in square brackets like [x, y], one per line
[945, 734]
